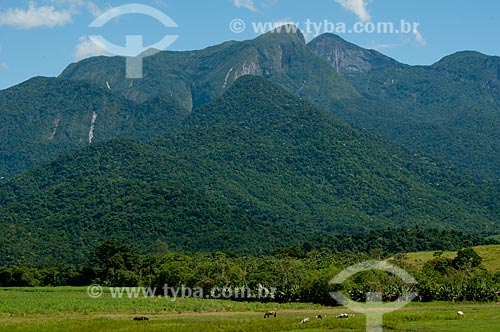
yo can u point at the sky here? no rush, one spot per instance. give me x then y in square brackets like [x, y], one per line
[42, 37]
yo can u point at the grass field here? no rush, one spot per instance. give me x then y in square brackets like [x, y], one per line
[70, 309]
[490, 255]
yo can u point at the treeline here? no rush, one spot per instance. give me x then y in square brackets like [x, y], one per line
[395, 240]
[305, 279]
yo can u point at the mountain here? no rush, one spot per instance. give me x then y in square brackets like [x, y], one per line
[196, 77]
[252, 171]
[450, 110]
[44, 117]
[347, 58]
[59, 112]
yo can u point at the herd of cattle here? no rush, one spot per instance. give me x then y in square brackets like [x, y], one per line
[273, 313]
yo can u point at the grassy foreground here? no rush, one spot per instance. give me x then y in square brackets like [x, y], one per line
[71, 309]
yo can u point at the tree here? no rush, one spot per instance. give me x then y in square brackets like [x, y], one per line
[466, 259]
[112, 256]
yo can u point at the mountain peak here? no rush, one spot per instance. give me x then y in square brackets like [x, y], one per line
[472, 65]
[289, 31]
[463, 58]
[348, 58]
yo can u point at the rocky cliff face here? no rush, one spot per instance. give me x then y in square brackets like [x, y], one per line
[347, 58]
[196, 77]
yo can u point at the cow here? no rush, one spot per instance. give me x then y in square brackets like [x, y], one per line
[270, 313]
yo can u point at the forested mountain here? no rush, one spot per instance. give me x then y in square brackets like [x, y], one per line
[173, 83]
[252, 171]
[196, 77]
[450, 110]
[44, 117]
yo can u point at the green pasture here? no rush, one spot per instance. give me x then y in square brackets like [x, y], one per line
[490, 255]
[71, 309]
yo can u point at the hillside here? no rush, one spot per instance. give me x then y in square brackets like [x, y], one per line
[450, 110]
[490, 255]
[45, 117]
[255, 170]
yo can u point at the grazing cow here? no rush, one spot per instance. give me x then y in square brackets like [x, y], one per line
[270, 313]
[460, 313]
[305, 320]
[342, 316]
[140, 318]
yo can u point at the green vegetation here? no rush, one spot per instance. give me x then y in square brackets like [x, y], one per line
[292, 275]
[256, 170]
[398, 240]
[36, 301]
[450, 110]
[201, 176]
[490, 255]
[63, 309]
[46, 117]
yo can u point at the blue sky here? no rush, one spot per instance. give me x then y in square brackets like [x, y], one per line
[41, 37]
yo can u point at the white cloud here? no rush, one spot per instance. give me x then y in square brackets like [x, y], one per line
[248, 4]
[380, 46]
[35, 17]
[75, 5]
[95, 10]
[87, 48]
[358, 7]
[418, 37]
[3, 66]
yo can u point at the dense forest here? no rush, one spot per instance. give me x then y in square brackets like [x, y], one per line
[255, 170]
[43, 118]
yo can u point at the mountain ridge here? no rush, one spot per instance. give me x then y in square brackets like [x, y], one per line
[449, 111]
[348, 58]
[277, 55]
